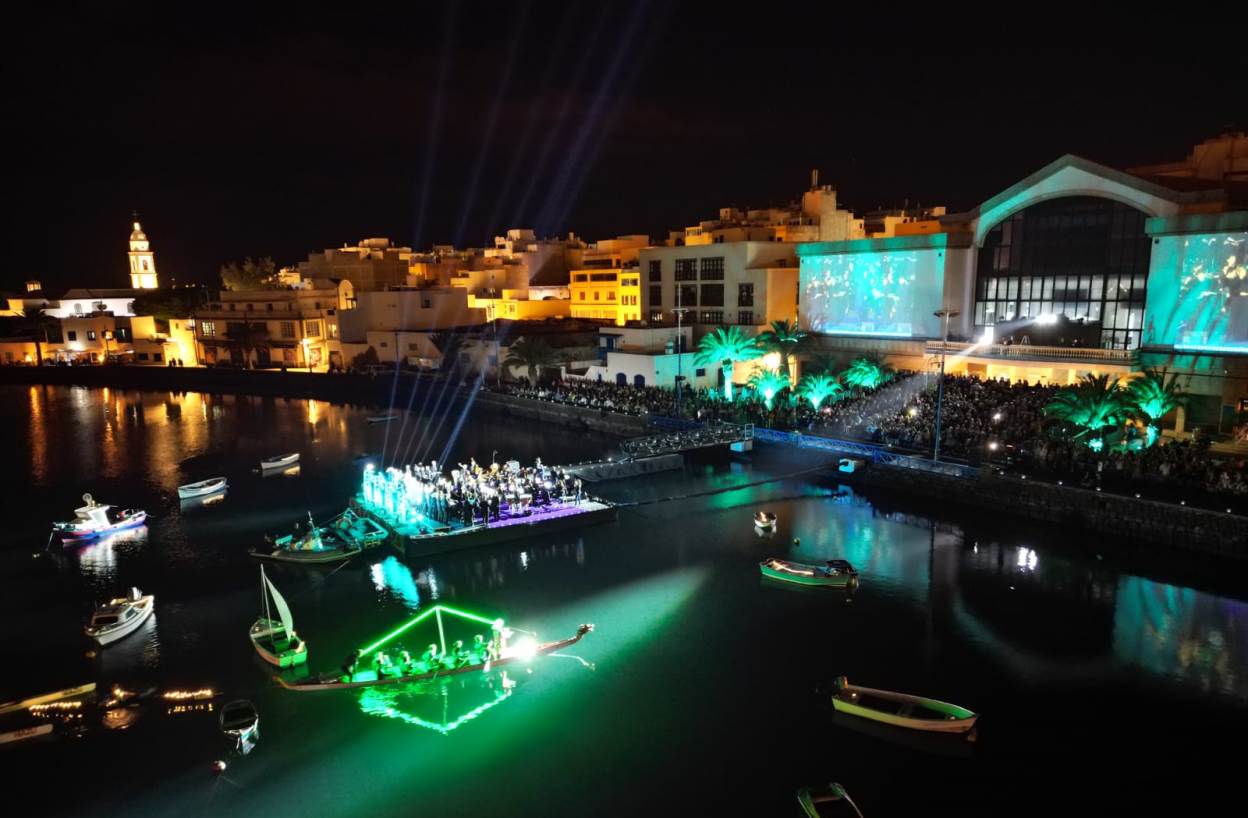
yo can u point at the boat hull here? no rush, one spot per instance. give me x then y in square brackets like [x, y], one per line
[263, 629]
[480, 535]
[835, 581]
[25, 734]
[957, 720]
[68, 693]
[337, 683]
[146, 606]
[74, 537]
[202, 489]
[306, 557]
[280, 462]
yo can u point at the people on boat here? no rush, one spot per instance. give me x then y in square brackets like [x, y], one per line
[349, 664]
[480, 650]
[430, 657]
[406, 662]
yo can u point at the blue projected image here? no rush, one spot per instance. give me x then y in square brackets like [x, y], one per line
[876, 293]
[1198, 292]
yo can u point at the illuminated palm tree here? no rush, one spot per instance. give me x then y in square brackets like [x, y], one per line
[37, 322]
[768, 383]
[1093, 406]
[818, 388]
[1154, 395]
[725, 346]
[867, 374]
[531, 353]
[786, 338]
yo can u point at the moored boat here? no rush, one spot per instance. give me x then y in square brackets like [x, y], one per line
[203, 488]
[318, 545]
[280, 461]
[25, 733]
[120, 617]
[358, 530]
[47, 698]
[95, 520]
[901, 709]
[833, 574]
[827, 801]
[240, 721]
[275, 639]
[383, 418]
[765, 521]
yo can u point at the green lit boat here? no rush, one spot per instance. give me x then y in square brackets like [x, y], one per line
[833, 574]
[901, 709]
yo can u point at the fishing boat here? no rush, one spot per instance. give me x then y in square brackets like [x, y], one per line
[203, 488]
[95, 520]
[240, 721]
[280, 461]
[316, 546]
[901, 709]
[120, 617]
[358, 530]
[420, 671]
[275, 639]
[827, 801]
[833, 574]
[765, 521]
[383, 418]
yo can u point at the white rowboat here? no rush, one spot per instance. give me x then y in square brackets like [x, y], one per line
[901, 709]
[203, 488]
[280, 461]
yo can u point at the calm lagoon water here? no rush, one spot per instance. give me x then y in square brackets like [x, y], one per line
[1103, 686]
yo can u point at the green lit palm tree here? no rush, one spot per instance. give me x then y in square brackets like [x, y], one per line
[768, 383]
[725, 346]
[818, 388]
[1093, 406]
[37, 322]
[786, 338]
[532, 354]
[867, 374]
[1154, 395]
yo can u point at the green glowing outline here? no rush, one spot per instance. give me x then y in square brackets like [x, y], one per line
[420, 618]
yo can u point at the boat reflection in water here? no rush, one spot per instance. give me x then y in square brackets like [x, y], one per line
[203, 502]
[291, 471]
[440, 706]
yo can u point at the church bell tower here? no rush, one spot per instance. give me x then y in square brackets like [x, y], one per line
[142, 260]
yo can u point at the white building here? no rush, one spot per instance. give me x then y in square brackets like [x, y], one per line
[142, 260]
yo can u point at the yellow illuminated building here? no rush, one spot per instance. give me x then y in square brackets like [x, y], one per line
[607, 295]
[142, 261]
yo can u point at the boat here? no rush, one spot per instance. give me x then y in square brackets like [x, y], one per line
[345, 681]
[358, 530]
[95, 520]
[318, 545]
[47, 698]
[765, 521]
[383, 418]
[14, 736]
[240, 721]
[280, 461]
[834, 574]
[120, 617]
[901, 709]
[203, 488]
[827, 801]
[275, 639]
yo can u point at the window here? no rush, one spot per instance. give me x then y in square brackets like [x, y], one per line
[656, 316]
[72, 335]
[425, 303]
[232, 306]
[288, 329]
[712, 317]
[745, 317]
[90, 335]
[685, 269]
[712, 295]
[156, 357]
[597, 295]
[123, 334]
[269, 306]
[699, 373]
[207, 329]
[656, 270]
[383, 345]
[656, 294]
[712, 269]
[77, 309]
[603, 276]
[687, 295]
[411, 347]
[333, 330]
[143, 356]
[582, 295]
[745, 295]
[580, 277]
[314, 329]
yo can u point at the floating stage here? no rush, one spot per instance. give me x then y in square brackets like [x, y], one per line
[402, 506]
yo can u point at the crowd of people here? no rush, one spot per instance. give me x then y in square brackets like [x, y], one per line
[470, 493]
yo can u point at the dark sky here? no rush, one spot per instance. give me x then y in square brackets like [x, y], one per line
[236, 133]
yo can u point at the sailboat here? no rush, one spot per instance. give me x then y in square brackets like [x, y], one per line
[276, 640]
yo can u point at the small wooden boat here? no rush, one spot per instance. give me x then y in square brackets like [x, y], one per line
[203, 488]
[901, 709]
[358, 530]
[347, 682]
[120, 617]
[765, 521]
[280, 461]
[14, 736]
[95, 520]
[240, 721]
[318, 545]
[59, 695]
[276, 640]
[383, 418]
[827, 801]
[834, 574]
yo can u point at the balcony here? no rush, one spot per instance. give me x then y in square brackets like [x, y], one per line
[1026, 352]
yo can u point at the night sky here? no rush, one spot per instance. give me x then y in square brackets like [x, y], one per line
[238, 134]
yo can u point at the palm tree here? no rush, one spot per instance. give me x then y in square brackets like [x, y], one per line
[1094, 405]
[769, 383]
[1154, 395]
[449, 344]
[867, 374]
[818, 388]
[37, 323]
[531, 353]
[725, 346]
[247, 336]
[786, 338]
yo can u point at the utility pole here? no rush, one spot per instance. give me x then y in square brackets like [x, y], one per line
[680, 349]
[943, 313]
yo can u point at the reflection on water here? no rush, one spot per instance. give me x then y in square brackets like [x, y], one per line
[394, 580]
[441, 706]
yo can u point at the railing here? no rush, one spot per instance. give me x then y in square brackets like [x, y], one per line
[876, 454]
[1120, 357]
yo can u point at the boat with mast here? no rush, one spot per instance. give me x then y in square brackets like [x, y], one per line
[275, 639]
[318, 545]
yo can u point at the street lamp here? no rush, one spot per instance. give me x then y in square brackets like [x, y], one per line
[307, 357]
[944, 313]
[679, 312]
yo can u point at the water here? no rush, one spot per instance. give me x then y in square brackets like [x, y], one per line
[1105, 682]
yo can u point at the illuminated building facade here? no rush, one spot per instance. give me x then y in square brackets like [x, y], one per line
[142, 260]
[749, 283]
[606, 284]
[295, 328]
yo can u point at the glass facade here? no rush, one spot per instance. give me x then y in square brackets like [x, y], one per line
[1079, 256]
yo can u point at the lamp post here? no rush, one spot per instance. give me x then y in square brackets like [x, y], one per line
[680, 349]
[943, 313]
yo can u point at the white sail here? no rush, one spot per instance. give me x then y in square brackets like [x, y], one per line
[283, 610]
